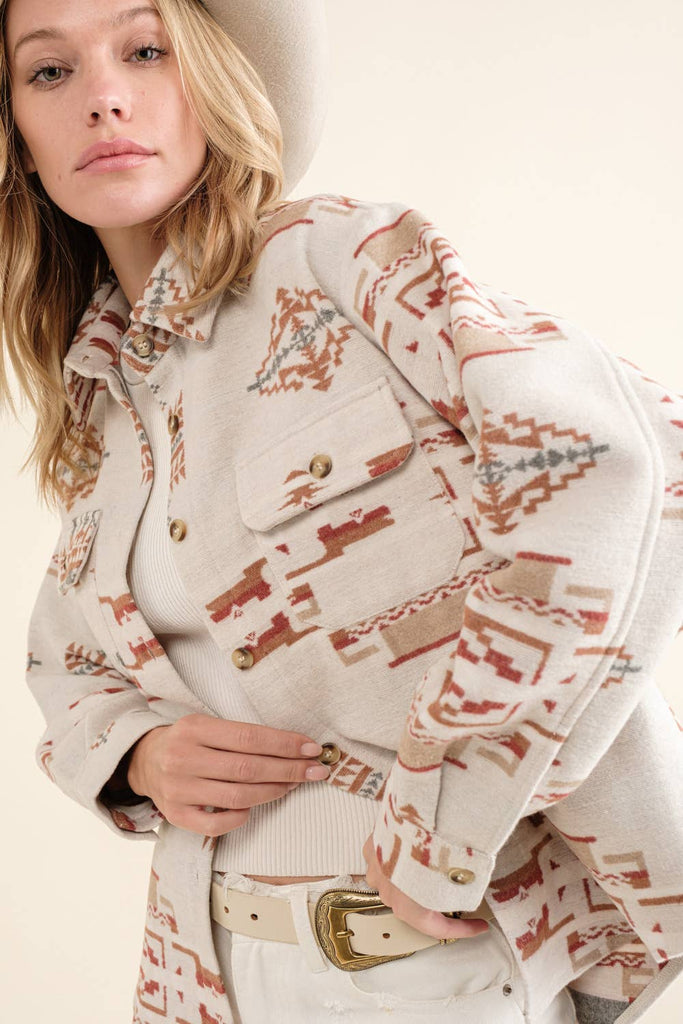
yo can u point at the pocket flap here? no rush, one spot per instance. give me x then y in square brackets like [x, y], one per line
[75, 547]
[364, 434]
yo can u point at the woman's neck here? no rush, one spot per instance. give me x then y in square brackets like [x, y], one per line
[133, 255]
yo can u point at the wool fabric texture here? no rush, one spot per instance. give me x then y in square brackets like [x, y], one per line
[443, 528]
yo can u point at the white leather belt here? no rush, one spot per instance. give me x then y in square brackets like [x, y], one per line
[337, 916]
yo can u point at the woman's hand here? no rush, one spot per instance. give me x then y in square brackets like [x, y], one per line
[201, 762]
[430, 922]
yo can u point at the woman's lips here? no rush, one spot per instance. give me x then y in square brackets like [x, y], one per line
[121, 162]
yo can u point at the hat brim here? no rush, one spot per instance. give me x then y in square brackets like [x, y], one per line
[287, 43]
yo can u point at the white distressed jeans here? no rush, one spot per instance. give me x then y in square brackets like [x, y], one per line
[473, 981]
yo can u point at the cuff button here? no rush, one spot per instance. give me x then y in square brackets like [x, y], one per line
[320, 465]
[461, 875]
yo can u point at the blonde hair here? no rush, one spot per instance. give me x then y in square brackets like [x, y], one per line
[50, 264]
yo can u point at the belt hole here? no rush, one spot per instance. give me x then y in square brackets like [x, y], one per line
[226, 909]
[386, 935]
[254, 917]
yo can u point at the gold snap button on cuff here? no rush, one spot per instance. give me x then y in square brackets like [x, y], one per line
[178, 530]
[331, 754]
[143, 345]
[173, 424]
[242, 658]
[461, 875]
[320, 465]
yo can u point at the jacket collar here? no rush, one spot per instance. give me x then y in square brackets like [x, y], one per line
[96, 342]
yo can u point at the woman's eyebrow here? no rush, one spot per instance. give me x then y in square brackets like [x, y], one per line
[122, 18]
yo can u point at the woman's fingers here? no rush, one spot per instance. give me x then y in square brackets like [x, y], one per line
[201, 761]
[240, 767]
[247, 737]
[430, 922]
[231, 796]
[207, 821]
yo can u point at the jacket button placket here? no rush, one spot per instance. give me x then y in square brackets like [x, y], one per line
[178, 530]
[143, 345]
[242, 657]
[331, 754]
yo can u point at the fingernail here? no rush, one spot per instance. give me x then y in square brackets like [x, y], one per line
[318, 771]
[311, 748]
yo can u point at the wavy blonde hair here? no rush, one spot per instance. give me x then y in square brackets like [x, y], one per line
[50, 264]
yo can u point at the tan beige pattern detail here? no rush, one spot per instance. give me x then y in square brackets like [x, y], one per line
[177, 445]
[77, 486]
[146, 464]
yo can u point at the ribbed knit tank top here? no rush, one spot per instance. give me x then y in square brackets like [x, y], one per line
[316, 829]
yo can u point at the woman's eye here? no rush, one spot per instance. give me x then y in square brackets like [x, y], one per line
[148, 49]
[45, 71]
[53, 74]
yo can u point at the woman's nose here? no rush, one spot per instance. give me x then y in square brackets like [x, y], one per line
[106, 99]
[108, 108]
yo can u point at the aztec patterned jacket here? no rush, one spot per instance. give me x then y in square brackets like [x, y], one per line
[440, 530]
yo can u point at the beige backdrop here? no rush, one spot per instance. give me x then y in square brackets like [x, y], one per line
[544, 138]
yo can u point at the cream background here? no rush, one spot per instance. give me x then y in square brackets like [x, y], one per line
[544, 139]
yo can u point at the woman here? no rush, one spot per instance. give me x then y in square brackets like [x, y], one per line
[274, 431]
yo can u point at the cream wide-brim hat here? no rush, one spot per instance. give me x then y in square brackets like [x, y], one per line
[287, 43]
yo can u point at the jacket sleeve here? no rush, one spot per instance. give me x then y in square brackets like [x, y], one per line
[567, 493]
[93, 713]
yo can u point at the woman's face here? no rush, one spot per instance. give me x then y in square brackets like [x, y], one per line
[94, 72]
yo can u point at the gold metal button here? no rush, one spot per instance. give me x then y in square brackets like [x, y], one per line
[461, 875]
[143, 344]
[242, 657]
[320, 465]
[173, 424]
[330, 754]
[178, 530]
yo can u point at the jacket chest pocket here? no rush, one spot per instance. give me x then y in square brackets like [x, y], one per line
[74, 548]
[348, 512]
[76, 556]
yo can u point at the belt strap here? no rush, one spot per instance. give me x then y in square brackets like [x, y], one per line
[270, 917]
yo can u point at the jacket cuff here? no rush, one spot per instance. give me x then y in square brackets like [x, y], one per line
[142, 817]
[436, 870]
[136, 821]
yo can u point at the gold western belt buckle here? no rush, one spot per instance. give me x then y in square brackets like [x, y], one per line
[331, 911]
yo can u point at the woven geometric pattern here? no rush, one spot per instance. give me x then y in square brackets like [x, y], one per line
[448, 528]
